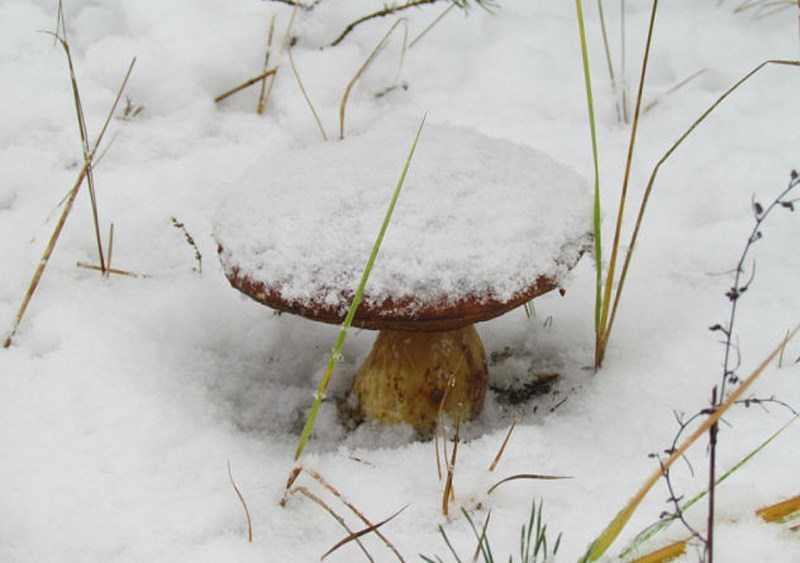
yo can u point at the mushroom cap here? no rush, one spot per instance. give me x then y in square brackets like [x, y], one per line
[482, 226]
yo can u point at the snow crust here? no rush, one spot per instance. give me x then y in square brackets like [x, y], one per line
[477, 217]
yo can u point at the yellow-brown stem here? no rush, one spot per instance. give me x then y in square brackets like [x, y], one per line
[406, 375]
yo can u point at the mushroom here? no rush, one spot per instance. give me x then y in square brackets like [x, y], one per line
[482, 226]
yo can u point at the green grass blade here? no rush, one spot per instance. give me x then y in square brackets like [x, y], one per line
[597, 234]
[351, 312]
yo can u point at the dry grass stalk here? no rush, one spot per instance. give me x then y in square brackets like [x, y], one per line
[370, 526]
[305, 95]
[353, 536]
[65, 213]
[61, 37]
[505, 442]
[308, 494]
[604, 327]
[781, 511]
[440, 427]
[368, 530]
[372, 56]
[293, 475]
[535, 476]
[287, 39]
[664, 554]
[244, 505]
[651, 182]
[675, 88]
[110, 247]
[109, 271]
[431, 25]
[451, 467]
[614, 85]
[262, 95]
[482, 538]
[245, 84]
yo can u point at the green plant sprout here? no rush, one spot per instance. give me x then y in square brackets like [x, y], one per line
[533, 546]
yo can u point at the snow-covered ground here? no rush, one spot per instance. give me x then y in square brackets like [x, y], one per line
[122, 400]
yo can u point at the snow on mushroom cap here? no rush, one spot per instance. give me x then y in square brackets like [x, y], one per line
[477, 217]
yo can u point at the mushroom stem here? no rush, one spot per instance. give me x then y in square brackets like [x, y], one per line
[408, 374]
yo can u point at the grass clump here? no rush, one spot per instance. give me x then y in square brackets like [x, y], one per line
[533, 544]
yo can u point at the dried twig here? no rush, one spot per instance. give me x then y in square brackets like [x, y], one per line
[387, 10]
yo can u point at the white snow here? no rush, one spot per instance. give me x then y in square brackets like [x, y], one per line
[477, 217]
[123, 399]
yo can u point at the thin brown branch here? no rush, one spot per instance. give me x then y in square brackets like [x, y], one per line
[385, 11]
